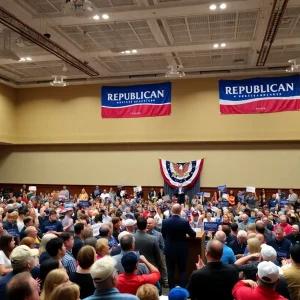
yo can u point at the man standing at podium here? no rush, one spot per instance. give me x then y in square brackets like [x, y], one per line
[174, 231]
[179, 193]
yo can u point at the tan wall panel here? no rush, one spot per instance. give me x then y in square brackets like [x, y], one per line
[234, 165]
[7, 114]
[72, 115]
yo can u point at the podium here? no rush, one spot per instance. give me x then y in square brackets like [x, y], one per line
[196, 247]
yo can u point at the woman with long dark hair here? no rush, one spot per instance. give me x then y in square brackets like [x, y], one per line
[7, 244]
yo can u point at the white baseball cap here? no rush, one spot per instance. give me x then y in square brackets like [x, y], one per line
[129, 222]
[268, 253]
[267, 272]
[103, 268]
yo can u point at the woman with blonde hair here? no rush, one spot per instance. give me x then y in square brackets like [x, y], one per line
[69, 291]
[28, 241]
[53, 279]
[102, 248]
[254, 253]
[147, 292]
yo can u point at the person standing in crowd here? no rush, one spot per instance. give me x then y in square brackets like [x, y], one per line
[78, 239]
[196, 221]
[287, 228]
[281, 244]
[23, 287]
[293, 197]
[239, 245]
[214, 277]
[174, 231]
[294, 237]
[147, 244]
[292, 273]
[7, 244]
[65, 192]
[105, 277]
[129, 281]
[52, 225]
[56, 248]
[245, 222]
[68, 260]
[67, 221]
[228, 255]
[267, 279]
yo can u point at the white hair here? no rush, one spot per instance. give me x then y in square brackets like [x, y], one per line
[242, 233]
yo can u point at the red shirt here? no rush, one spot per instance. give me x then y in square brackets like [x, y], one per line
[287, 229]
[129, 283]
[242, 292]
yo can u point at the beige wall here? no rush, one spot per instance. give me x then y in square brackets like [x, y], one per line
[237, 165]
[72, 115]
[7, 114]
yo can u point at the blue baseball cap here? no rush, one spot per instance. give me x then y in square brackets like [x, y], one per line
[129, 260]
[178, 293]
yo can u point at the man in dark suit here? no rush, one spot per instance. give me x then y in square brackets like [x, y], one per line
[179, 193]
[174, 231]
[214, 278]
[147, 244]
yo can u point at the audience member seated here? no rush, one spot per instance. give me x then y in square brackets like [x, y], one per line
[214, 277]
[86, 257]
[228, 255]
[267, 279]
[129, 281]
[105, 277]
[53, 279]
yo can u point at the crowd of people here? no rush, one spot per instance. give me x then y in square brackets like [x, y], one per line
[112, 245]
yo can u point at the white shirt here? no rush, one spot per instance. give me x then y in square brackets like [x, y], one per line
[20, 225]
[103, 196]
[4, 260]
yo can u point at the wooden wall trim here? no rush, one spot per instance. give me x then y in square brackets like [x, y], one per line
[75, 189]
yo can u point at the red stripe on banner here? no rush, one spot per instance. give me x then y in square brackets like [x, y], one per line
[137, 111]
[166, 179]
[262, 106]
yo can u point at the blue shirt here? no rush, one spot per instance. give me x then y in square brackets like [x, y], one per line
[110, 294]
[228, 256]
[69, 262]
[282, 248]
[52, 226]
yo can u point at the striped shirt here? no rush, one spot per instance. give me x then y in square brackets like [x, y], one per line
[69, 262]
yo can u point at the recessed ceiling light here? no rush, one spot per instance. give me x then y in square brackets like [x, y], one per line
[22, 59]
[28, 58]
[134, 51]
[105, 16]
[127, 51]
[223, 6]
[213, 7]
[223, 45]
[216, 45]
[96, 17]
[123, 52]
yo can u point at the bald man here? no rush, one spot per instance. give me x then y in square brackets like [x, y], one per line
[294, 237]
[228, 255]
[213, 280]
[174, 231]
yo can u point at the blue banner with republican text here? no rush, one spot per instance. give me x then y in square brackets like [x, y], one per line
[136, 101]
[260, 95]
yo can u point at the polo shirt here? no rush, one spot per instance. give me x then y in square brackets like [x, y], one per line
[228, 256]
[110, 294]
[237, 248]
[69, 262]
[292, 278]
[295, 240]
[129, 283]
[242, 291]
[282, 248]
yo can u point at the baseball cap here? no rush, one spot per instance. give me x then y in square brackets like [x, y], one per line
[102, 269]
[268, 253]
[129, 222]
[21, 254]
[267, 272]
[195, 213]
[129, 260]
[178, 293]
[153, 210]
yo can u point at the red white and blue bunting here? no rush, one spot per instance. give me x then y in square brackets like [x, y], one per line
[185, 174]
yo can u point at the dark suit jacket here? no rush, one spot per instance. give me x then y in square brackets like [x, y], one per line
[148, 246]
[180, 197]
[174, 231]
[214, 281]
